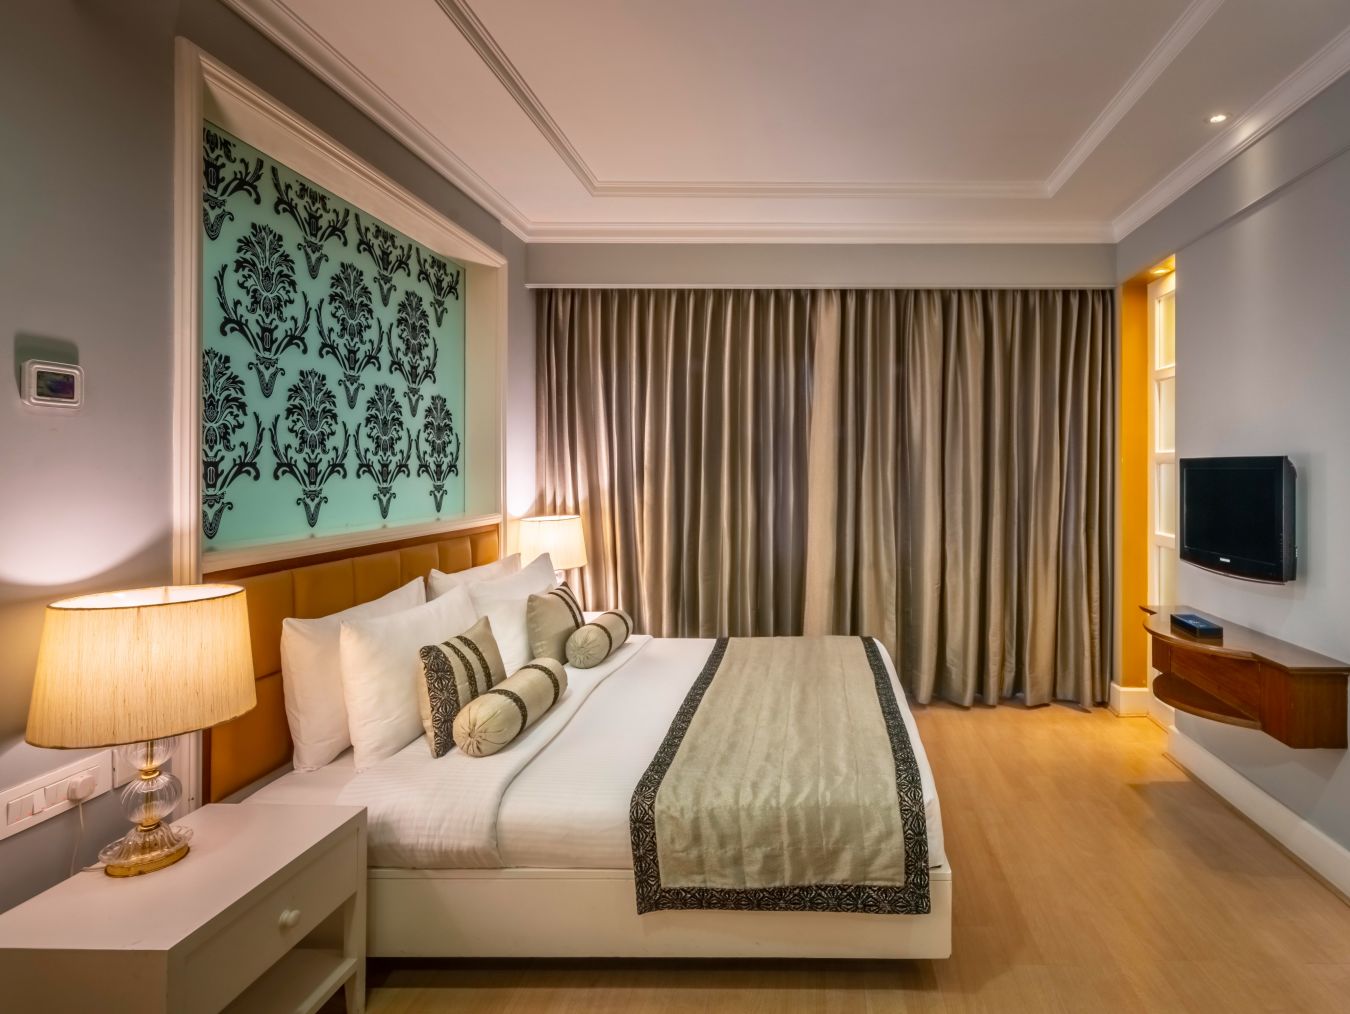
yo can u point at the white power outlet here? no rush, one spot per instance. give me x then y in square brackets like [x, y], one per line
[45, 796]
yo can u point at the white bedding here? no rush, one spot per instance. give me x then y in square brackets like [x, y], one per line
[557, 797]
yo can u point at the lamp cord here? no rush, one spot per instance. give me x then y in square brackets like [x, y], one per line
[79, 838]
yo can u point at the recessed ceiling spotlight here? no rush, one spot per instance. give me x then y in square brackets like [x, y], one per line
[1218, 117]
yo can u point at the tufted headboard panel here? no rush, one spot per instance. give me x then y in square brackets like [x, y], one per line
[241, 751]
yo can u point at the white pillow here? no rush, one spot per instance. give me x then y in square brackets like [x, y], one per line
[503, 600]
[312, 682]
[380, 668]
[438, 583]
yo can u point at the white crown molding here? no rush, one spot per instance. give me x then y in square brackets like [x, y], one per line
[492, 54]
[1322, 69]
[1169, 47]
[811, 232]
[283, 27]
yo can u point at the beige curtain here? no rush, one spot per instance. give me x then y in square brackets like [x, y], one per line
[962, 488]
[955, 447]
[675, 422]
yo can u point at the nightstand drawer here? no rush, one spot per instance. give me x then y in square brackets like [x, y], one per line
[233, 955]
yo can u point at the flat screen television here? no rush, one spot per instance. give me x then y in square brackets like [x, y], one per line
[1237, 516]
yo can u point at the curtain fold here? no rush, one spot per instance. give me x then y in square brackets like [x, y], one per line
[675, 423]
[931, 467]
[969, 518]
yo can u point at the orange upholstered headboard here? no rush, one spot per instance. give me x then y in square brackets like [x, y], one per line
[241, 751]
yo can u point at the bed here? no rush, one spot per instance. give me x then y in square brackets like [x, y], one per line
[529, 853]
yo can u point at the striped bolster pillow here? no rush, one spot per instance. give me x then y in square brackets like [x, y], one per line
[596, 641]
[493, 719]
[453, 673]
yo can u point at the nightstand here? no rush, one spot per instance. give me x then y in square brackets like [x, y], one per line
[266, 913]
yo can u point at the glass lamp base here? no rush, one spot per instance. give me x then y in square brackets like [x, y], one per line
[145, 849]
[147, 800]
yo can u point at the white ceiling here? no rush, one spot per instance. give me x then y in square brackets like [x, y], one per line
[849, 120]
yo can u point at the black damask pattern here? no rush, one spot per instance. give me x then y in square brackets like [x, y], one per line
[441, 279]
[350, 341]
[224, 174]
[224, 415]
[389, 255]
[318, 223]
[311, 457]
[414, 357]
[442, 690]
[266, 274]
[439, 459]
[910, 898]
[388, 448]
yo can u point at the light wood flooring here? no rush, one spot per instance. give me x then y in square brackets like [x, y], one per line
[1090, 875]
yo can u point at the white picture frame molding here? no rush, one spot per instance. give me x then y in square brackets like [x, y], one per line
[205, 89]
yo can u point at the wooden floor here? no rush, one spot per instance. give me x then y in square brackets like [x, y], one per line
[1090, 875]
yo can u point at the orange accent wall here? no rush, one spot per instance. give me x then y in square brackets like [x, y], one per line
[1133, 480]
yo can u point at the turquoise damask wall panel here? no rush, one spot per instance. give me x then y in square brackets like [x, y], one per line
[332, 361]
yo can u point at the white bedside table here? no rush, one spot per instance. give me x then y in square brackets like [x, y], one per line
[266, 913]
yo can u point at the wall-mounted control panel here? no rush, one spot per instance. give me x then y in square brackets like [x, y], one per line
[55, 792]
[52, 385]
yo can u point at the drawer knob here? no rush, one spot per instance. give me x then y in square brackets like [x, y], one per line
[289, 918]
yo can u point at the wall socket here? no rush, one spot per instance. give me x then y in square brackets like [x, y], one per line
[41, 798]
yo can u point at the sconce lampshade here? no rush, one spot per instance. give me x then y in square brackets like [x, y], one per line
[123, 667]
[558, 535]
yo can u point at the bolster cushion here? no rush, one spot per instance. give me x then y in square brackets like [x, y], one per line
[551, 619]
[493, 719]
[452, 674]
[594, 642]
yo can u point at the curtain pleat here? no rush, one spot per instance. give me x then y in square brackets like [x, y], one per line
[675, 423]
[955, 449]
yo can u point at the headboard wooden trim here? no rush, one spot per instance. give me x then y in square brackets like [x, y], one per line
[239, 752]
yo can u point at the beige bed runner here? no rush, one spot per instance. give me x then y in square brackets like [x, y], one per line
[787, 782]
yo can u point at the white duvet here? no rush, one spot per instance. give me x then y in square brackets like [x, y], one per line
[558, 796]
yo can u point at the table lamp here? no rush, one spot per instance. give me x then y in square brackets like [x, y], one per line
[134, 669]
[558, 535]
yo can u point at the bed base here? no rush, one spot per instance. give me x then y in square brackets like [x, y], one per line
[591, 914]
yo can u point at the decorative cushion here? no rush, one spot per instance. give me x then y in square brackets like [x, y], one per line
[594, 642]
[380, 673]
[454, 673]
[439, 583]
[493, 719]
[312, 677]
[503, 600]
[551, 619]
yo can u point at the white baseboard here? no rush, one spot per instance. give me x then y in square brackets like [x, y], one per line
[1163, 714]
[1325, 856]
[1129, 702]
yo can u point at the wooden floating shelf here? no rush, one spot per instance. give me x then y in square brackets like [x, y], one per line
[1249, 679]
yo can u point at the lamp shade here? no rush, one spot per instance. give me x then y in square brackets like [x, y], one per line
[122, 667]
[558, 535]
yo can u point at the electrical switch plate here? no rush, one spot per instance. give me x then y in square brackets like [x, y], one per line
[46, 796]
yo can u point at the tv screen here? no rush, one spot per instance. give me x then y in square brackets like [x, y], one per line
[1237, 516]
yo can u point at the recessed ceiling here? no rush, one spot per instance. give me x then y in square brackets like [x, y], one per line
[854, 120]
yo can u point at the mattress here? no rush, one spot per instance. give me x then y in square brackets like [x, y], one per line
[563, 803]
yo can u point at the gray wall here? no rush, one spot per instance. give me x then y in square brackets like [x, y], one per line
[1263, 364]
[86, 216]
[1263, 367]
[845, 265]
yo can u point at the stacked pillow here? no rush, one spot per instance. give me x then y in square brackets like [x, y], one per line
[551, 619]
[378, 675]
[379, 668]
[312, 681]
[503, 601]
